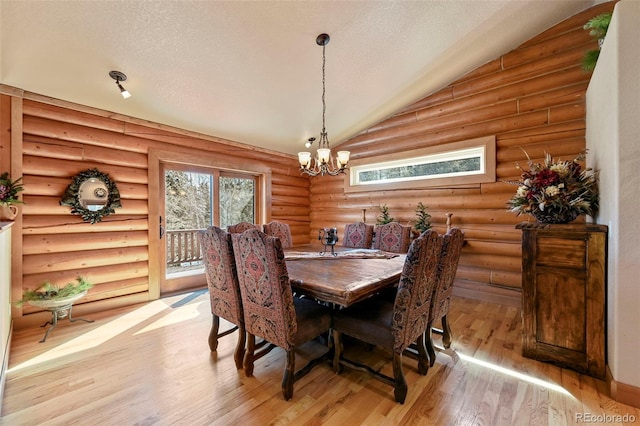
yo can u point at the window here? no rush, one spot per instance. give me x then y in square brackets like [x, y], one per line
[471, 161]
[237, 199]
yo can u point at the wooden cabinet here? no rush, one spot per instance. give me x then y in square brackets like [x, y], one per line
[5, 300]
[563, 295]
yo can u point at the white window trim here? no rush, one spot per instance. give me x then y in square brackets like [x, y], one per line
[485, 146]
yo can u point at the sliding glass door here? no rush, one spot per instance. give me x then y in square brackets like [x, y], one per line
[194, 198]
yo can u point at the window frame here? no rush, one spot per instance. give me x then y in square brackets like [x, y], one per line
[486, 143]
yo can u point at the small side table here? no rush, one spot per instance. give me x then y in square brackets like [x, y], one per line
[59, 308]
[564, 295]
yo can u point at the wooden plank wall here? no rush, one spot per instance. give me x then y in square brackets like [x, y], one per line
[58, 141]
[531, 98]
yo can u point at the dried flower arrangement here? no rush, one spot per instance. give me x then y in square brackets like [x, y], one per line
[556, 191]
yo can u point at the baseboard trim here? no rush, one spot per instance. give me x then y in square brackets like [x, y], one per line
[487, 293]
[622, 392]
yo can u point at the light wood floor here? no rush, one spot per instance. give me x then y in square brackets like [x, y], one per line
[150, 365]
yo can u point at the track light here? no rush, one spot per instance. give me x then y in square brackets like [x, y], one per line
[309, 142]
[118, 77]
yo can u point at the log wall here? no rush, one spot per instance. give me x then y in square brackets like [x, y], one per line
[532, 99]
[58, 140]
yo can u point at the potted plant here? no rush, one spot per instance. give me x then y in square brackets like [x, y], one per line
[556, 191]
[9, 196]
[384, 215]
[424, 219]
[50, 296]
[597, 27]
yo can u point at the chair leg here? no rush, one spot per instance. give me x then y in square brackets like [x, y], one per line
[400, 383]
[428, 343]
[238, 356]
[213, 334]
[248, 356]
[423, 357]
[431, 350]
[337, 351]
[446, 333]
[288, 377]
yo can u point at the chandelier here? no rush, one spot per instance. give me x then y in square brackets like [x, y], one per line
[323, 163]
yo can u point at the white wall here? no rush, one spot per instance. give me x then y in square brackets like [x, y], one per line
[613, 140]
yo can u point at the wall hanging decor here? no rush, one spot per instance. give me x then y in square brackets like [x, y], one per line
[92, 195]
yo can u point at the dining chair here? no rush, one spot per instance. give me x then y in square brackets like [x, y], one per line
[280, 230]
[224, 291]
[392, 237]
[358, 235]
[452, 244]
[270, 310]
[395, 325]
[240, 227]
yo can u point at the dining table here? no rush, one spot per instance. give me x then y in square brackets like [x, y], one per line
[349, 276]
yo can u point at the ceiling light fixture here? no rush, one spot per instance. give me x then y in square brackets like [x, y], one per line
[118, 77]
[323, 162]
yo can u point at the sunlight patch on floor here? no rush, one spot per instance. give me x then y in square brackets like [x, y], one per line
[96, 336]
[184, 313]
[515, 374]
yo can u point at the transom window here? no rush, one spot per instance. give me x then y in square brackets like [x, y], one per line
[457, 163]
[464, 162]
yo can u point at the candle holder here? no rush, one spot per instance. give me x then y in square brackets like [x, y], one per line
[329, 238]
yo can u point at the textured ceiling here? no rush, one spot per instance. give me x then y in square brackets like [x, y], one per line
[251, 71]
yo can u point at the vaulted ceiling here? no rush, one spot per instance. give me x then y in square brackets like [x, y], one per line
[251, 71]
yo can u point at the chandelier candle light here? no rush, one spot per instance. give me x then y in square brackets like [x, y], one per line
[323, 163]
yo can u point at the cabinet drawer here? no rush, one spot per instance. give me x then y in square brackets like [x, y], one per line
[570, 253]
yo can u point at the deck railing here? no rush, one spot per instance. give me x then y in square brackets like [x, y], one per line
[183, 246]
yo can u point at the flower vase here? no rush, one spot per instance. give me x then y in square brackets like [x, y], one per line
[8, 212]
[554, 217]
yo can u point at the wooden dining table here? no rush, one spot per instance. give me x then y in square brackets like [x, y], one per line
[349, 277]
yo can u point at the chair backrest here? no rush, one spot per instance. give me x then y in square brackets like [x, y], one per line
[392, 237]
[280, 230]
[358, 235]
[411, 310]
[239, 228]
[267, 298]
[447, 268]
[220, 270]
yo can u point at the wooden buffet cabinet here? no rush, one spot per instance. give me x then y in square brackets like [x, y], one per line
[563, 295]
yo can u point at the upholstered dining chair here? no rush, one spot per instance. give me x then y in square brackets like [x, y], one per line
[392, 237]
[270, 310]
[280, 230]
[395, 325]
[224, 291]
[452, 244]
[358, 235]
[240, 227]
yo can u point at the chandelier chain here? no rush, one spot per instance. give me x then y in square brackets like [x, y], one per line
[324, 104]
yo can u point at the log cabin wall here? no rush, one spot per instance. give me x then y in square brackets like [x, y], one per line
[532, 98]
[58, 140]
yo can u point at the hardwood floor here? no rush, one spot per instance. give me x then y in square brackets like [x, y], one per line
[150, 365]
